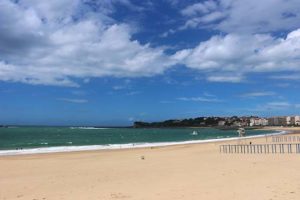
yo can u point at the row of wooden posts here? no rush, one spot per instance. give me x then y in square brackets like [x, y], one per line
[260, 148]
[286, 138]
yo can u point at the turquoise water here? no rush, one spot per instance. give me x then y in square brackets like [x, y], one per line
[37, 137]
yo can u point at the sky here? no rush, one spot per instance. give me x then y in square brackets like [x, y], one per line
[113, 62]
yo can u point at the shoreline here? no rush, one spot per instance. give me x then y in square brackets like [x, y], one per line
[68, 149]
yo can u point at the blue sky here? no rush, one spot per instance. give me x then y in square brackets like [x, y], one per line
[112, 62]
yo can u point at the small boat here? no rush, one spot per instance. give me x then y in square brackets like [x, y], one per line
[194, 133]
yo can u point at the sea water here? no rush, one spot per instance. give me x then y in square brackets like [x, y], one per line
[18, 140]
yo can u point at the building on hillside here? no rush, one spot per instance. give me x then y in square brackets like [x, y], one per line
[264, 122]
[297, 120]
[290, 121]
[278, 121]
[258, 122]
[252, 122]
[237, 123]
[221, 123]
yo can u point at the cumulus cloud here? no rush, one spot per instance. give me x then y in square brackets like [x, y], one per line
[41, 43]
[254, 16]
[228, 58]
[200, 8]
[65, 43]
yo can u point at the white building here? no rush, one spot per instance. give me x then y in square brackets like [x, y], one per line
[297, 120]
[221, 123]
[290, 121]
[258, 122]
[252, 122]
[264, 122]
[277, 121]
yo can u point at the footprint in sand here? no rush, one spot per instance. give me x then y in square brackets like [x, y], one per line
[119, 196]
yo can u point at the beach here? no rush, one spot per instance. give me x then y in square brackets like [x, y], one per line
[190, 171]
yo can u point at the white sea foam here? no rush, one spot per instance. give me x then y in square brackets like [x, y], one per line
[87, 128]
[122, 146]
[44, 143]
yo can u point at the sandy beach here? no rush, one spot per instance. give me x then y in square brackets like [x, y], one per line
[191, 172]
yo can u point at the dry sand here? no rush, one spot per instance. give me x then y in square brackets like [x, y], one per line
[191, 172]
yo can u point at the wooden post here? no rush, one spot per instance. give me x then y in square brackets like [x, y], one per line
[272, 148]
[280, 150]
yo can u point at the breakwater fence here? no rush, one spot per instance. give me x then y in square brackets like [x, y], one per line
[260, 148]
[285, 138]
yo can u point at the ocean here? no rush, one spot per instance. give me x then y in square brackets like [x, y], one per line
[18, 140]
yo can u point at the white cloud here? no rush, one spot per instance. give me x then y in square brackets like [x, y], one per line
[286, 77]
[200, 8]
[63, 43]
[253, 16]
[229, 78]
[132, 93]
[258, 94]
[41, 44]
[206, 94]
[69, 100]
[200, 99]
[228, 58]
[51, 11]
[273, 106]
[120, 87]
[279, 104]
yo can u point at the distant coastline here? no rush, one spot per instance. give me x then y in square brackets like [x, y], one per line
[201, 122]
[223, 123]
